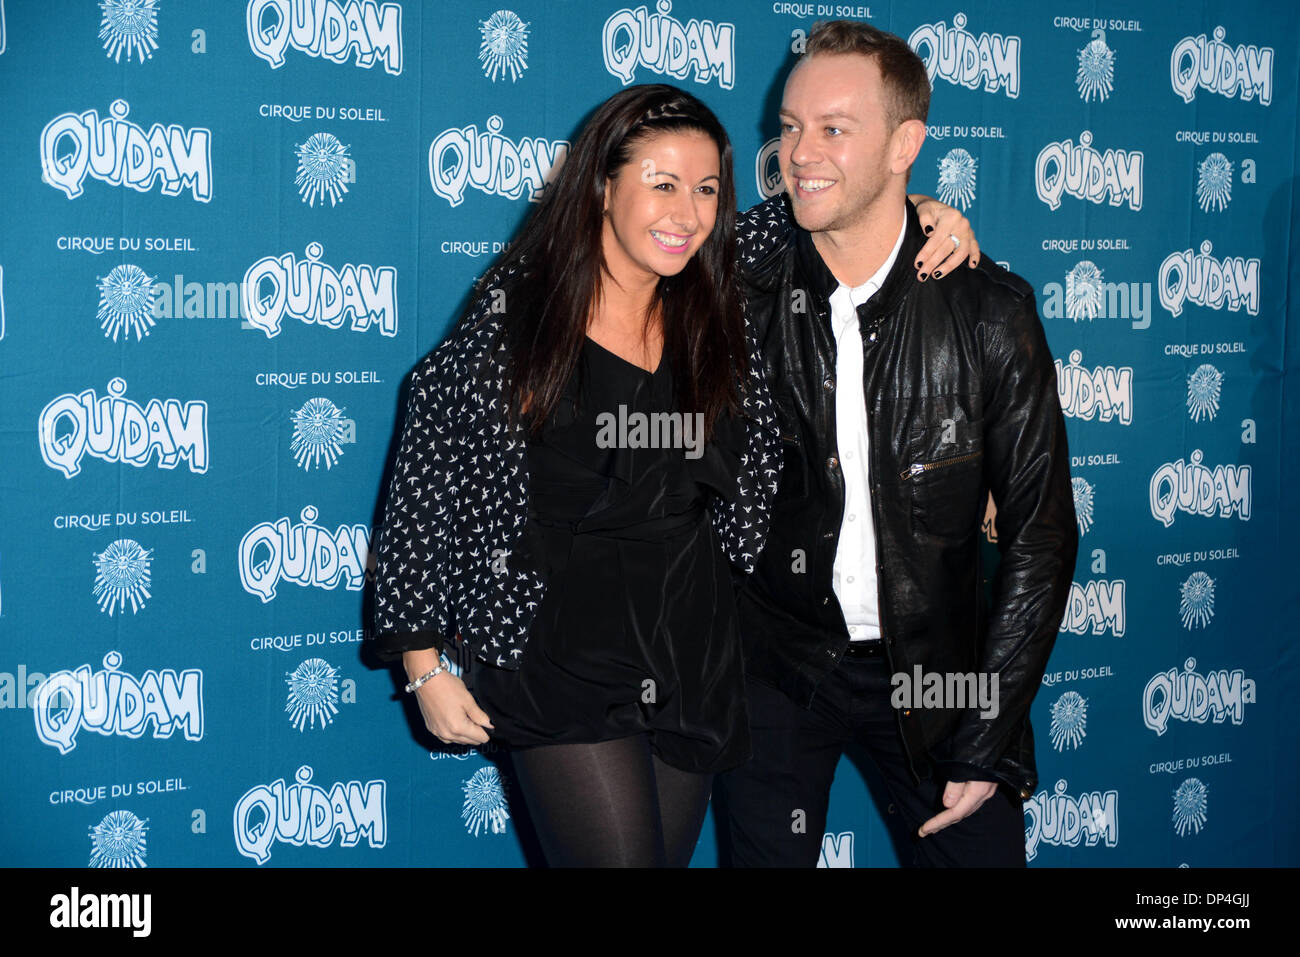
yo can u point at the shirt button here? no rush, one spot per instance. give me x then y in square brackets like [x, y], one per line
[832, 463]
[828, 384]
[851, 518]
[850, 579]
[848, 455]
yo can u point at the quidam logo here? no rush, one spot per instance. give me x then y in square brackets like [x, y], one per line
[1103, 393]
[1097, 606]
[1059, 820]
[1198, 63]
[121, 153]
[1069, 721]
[306, 554]
[504, 49]
[767, 169]
[113, 702]
[1188, 696]
[1096, 74]
[305, 813]
[958, 56]
[364, 30]
[1081, 171]
[130, 26]
[493, 163]
[317, 293]
[116, 429]
[665, 45]
[837, 850]
[1203, 280]
[1189, 486]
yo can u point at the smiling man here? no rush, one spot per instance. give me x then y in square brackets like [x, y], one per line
[902, 403]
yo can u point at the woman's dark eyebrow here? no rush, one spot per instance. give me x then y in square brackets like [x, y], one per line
[664, 172]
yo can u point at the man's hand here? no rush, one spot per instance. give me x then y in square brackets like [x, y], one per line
[962, 800]
[940, 255]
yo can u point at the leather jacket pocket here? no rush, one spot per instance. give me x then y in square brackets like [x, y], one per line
[943, 472]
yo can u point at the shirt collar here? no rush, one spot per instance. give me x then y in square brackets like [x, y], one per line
[860, 294]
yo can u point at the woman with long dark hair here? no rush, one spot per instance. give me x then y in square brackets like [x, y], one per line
[583, 463]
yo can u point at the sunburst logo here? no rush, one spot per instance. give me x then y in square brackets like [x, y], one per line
[1196, 603]
[485, 808]
[1069, 721]
[1083, 291]
[126, 297]
[1082, 490]
[121, 576]
[129, 26]
[1096, 76]
[504, 49]
[1190, 806]
[1214, 183]
[323, 168]
[313, 693]
[318, 432]
[118, 841]
[957, 178]
[1203, 388]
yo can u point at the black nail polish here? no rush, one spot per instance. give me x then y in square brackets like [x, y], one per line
[929, 229]
[921, 277]
[918, 264]
[938, 273]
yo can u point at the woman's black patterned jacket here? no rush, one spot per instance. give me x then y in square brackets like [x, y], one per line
[458, 503]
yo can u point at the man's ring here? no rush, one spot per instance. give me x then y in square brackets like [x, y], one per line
[955, 241]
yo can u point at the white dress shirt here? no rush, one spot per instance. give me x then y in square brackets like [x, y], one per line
[854, 574]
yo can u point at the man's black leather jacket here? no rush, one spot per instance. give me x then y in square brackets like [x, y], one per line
[961, 400]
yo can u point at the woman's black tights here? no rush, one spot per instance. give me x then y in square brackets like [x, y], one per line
[612, 804]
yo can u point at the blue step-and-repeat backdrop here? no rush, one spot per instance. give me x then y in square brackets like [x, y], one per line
[230, 229]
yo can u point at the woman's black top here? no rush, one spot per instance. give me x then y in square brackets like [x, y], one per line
[636, 632]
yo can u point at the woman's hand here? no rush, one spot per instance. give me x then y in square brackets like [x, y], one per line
[450, 712]
[940, 255]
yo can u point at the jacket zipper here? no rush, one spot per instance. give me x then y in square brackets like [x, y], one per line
[919, 468]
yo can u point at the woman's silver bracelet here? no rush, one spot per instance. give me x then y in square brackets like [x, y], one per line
[443, 665]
